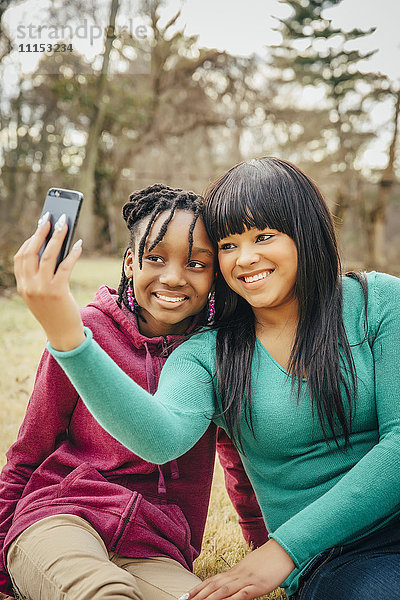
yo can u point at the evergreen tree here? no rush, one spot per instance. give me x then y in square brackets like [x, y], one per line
[315, 53]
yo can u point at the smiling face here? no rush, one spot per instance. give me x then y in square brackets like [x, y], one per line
[169, 288]
[261, 267]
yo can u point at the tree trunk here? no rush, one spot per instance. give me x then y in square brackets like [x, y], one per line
[340, 208]
[113, 216]
[376, 218]
[87, 222]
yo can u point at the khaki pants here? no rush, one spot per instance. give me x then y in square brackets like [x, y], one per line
[63, 558]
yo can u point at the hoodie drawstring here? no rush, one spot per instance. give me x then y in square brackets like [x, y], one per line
[151, 380]
[162, 488]
[174, 469]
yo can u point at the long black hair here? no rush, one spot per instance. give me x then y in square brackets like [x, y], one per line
[151, 202]
[270, 192]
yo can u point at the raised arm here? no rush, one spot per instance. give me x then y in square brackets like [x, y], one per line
[157, 428]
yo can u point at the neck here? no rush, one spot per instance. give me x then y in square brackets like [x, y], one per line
[152, 328]
[278, 318]
[276, 330]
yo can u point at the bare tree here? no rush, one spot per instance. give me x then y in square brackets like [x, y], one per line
[375, 221]
[87, 178]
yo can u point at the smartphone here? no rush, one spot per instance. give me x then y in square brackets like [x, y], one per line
[58, 202]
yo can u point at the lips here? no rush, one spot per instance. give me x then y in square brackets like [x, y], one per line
[253, 277]
[170, 298]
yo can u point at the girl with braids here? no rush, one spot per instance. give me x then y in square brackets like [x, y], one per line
[301, 371]
[81, 517]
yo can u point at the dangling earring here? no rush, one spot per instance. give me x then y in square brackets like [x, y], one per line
[131, 295]
[211, 307]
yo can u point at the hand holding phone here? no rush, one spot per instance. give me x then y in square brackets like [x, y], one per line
[58, 202]
[45, 289]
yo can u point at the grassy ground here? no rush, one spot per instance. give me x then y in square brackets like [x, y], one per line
[21, 344]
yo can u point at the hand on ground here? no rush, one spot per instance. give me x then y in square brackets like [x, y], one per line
[257, 574]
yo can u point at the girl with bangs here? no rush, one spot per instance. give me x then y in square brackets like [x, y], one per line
[299, 369]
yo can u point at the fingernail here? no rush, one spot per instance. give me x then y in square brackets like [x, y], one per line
[43, 219]
[61, 222]
[184, 597]
[77, 245]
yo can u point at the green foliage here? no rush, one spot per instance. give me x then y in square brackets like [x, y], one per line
[314, 53]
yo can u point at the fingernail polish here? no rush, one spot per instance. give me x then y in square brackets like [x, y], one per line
[77, 245]
[184, 597]
[43, 219]
[61, 222]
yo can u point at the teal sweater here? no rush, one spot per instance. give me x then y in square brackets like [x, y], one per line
[313, 496]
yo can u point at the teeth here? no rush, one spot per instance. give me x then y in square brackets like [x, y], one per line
[169, 298]
[256, 277]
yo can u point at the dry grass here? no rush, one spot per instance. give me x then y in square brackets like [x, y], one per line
[21, 344]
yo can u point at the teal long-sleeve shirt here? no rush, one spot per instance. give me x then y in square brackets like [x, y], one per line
[313, 496]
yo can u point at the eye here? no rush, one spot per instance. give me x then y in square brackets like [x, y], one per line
[226, 246]
[264, 237]
[195, 264]
[154, 258]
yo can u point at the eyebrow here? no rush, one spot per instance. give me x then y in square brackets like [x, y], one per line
[198, 250]
[195, 249]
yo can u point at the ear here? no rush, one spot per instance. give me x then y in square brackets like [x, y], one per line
[128, 263]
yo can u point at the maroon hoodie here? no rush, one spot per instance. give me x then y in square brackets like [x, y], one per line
[64, 462]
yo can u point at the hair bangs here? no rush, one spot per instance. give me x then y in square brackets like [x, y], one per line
[244, 198]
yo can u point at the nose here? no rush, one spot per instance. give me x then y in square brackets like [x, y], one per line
[247, 255]
[173, 276]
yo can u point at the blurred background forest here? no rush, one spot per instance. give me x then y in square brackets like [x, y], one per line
[156, 106]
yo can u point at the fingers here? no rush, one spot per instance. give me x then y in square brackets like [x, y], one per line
[48, 260]
[228, 592]
[35, 242]
[18, 261]
[219, 587]
[26, 260]
[46, 293]
[231, 585]
[66, 266]
[31, 275]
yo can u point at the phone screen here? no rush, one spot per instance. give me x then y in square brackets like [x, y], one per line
[59, 201]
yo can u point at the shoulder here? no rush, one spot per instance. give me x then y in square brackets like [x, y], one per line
[89, 314]
[377, 286]
[373, 279]
[382, 293]
[384, 287]
[94, 317]
[384, 299]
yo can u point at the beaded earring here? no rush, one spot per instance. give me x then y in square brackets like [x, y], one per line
[211, 307]
[131, 296]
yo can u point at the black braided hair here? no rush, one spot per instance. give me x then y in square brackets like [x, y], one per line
[152, 201]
